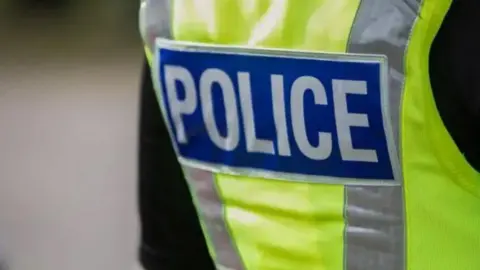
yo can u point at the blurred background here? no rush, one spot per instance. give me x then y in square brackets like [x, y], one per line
[69, 76]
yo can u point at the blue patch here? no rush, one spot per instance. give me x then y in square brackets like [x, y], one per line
[287, 115]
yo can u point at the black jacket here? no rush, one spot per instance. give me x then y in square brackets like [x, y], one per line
[171, 234]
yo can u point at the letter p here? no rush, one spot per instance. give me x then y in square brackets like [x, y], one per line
[179, 107]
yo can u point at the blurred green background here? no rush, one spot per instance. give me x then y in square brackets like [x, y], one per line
[69, 76]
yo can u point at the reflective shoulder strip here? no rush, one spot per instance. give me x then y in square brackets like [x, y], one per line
[154, 22]
[375, 237]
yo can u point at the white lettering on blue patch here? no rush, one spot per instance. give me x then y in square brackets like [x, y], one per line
[297, 116]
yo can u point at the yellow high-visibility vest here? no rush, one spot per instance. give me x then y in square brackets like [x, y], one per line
[428, 219]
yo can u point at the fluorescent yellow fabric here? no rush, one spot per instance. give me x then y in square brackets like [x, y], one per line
[442, 190]
[149, 55]
[276, 225]
[284, 225]
[291, 24]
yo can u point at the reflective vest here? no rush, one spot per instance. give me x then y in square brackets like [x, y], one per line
[322, 202]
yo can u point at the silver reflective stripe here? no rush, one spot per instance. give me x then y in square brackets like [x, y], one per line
[154, 20]
[212, 212]
[374, 237]
[375, 234]
[384, 27]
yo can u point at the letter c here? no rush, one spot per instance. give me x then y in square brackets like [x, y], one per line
[299, 87]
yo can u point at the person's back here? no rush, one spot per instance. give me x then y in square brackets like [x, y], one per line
[329, 153]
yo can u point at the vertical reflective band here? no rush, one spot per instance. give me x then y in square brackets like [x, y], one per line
[375, 234]
[384, 27]
[211, 211]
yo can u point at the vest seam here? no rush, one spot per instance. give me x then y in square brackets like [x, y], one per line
[349, 39]
[401, 129]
